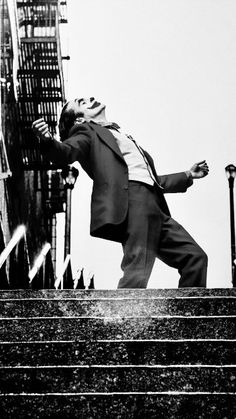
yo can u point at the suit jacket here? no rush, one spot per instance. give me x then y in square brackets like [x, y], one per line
[99, 155]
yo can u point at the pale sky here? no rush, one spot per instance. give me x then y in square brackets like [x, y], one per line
[166, 69]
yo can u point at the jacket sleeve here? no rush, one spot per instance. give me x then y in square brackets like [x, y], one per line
[176, 182]
[75, 148]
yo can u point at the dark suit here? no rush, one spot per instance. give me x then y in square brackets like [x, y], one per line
[98, 153]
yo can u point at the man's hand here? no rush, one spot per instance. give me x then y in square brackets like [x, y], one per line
[199, 170]
[41, 130]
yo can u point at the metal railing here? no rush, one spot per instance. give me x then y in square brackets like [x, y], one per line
[17, 236]
[39, 262]
[40, 275]
[64, 278]
[38, 18]
[14, 261]
[5, 171]
[20, 274]
[41, 80]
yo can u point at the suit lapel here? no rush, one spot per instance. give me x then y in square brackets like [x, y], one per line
[151, 163]
[106, 136]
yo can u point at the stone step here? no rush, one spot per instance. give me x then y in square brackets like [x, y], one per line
[120, 293]
[119, 406]
[138, 328]
[118, 354]
[136, 352]
[129, 378]
[125, 307]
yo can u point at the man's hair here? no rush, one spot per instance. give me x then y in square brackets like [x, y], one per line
[67, 119]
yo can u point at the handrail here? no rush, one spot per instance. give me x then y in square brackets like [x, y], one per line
[17, 236]
[59, 280]
[39, 261]
[6, 173]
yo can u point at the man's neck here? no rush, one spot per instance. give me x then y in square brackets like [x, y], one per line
[100, 119]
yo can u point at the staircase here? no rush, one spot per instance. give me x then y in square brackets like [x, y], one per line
[118, 354]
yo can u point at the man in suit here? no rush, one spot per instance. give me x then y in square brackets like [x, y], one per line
[128, 203]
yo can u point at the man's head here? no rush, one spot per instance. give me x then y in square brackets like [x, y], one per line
[87, 108]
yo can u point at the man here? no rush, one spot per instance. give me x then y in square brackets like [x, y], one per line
[128, 203]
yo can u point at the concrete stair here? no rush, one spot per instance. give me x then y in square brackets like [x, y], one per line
[118, 354]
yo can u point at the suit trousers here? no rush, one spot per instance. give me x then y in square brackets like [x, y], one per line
[151, 234]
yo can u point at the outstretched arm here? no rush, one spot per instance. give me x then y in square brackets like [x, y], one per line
[75, 148]
[179, 182]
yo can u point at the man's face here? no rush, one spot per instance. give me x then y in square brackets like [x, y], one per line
[89, 107]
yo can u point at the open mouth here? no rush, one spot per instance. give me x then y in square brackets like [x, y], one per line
[94, 105]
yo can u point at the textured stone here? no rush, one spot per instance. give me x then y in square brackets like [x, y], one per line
[203, 306]
[118, 353]
[121, 406]
[66, 328]
[105, 379]
[119, 293]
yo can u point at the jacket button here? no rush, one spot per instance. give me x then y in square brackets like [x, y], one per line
[125, 187]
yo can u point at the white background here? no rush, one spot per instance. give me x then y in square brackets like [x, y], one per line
[166, 70]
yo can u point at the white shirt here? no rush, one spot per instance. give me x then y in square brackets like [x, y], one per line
[138, 167]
